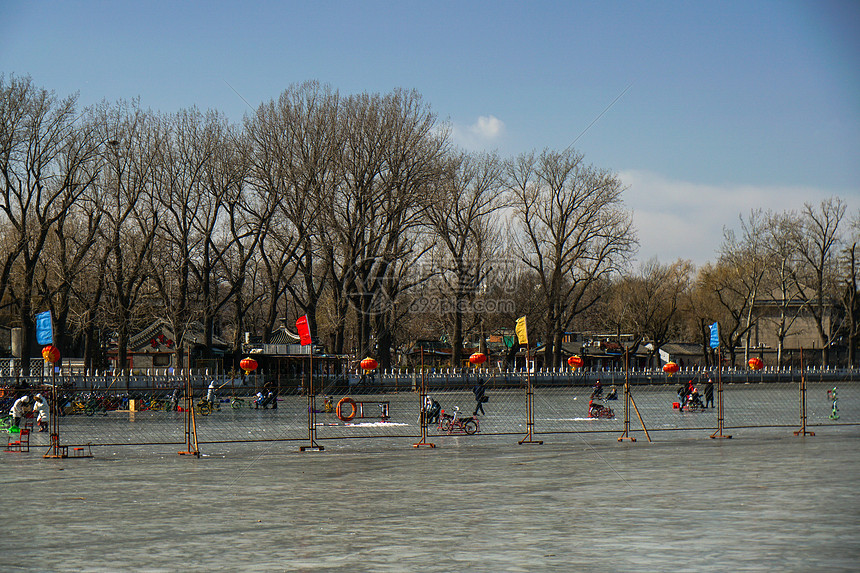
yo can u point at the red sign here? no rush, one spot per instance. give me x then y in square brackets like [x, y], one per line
[304, 330]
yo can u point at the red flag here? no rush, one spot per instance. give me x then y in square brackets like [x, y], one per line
[304, 331]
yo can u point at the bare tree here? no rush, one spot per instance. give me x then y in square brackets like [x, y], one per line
[180, 191]
[295, 167]
[652, 299]
[131, 212]
[75, 252]
[461, 212]
[390, 153]
[781, 235]
[850, 295]
[818, 246]
[245, 218]
[41, 176]
[223, 200]
[575, 233]
[746, 260]
[719, 290]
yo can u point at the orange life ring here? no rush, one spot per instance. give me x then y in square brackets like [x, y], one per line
[351, 402]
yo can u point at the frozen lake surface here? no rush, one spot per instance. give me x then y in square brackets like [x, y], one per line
[762, 501]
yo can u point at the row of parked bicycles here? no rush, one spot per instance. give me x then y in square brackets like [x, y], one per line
[95, 402]
[205, 407]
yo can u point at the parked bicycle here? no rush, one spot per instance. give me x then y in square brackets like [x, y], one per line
[205, 407]
[455, 424]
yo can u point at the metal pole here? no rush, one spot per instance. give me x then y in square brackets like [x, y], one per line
[719, 432]
[626, 434]
[192, 448]
[422, 393]
[56, 450]
[312, 409]
[803, 431]
[530, 415]
[640, 418]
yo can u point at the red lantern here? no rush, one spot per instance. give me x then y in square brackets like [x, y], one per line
[478, 358]
[248, 365]
[50, 353]
[369, 364]
[670, 368]
[756, 363]
[575, 361]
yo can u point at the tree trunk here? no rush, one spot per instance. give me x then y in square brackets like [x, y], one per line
[457, 339]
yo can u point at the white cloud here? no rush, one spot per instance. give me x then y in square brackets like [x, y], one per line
[480, 135]
[680, 219]
[488, 126]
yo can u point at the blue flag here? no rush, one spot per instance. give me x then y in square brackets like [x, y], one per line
[44, 328]
[715, 335]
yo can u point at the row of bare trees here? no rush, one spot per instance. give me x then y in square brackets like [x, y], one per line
[780, 273]
[357, 212]
[349, 209]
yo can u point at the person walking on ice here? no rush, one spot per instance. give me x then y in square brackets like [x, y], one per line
[479, 390]
[709, 394]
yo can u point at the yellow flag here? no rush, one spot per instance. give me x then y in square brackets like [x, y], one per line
[522, 334]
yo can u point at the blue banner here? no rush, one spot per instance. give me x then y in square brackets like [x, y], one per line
[44, 328]
[715, 335]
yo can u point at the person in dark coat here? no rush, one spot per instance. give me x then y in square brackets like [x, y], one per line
[432, 409]
[709, 394]
[478, 389]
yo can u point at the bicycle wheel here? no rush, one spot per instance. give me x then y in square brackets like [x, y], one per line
[236, 403]
[470, 427]
[445, 425]
[204, 409]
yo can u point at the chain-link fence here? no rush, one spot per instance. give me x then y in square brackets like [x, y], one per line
[153, 410]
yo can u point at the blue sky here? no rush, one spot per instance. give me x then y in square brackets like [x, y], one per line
[729, 106]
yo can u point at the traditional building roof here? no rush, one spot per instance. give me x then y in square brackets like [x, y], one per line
[159, 336]
[283, 336]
